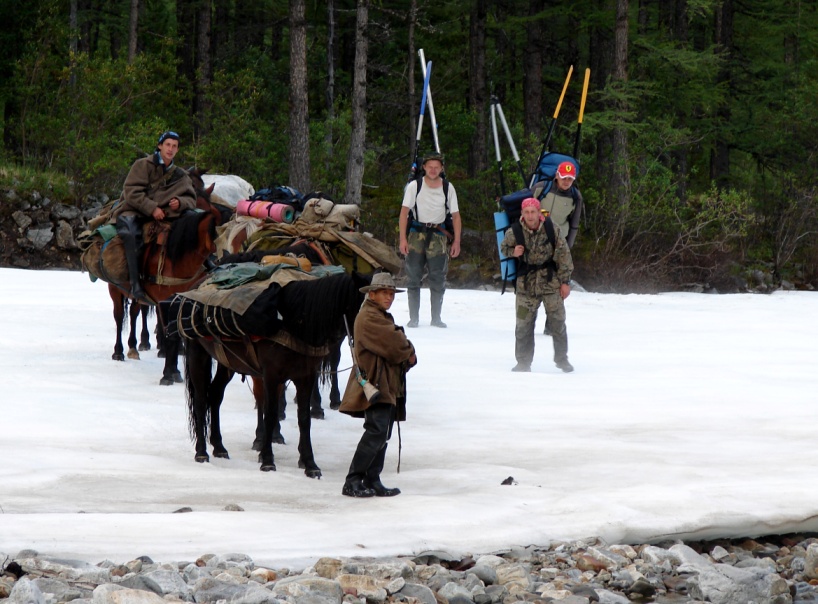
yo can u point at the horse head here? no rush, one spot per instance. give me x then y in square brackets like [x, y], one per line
[204, 194]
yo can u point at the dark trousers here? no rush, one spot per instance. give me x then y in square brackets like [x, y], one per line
[367, 463]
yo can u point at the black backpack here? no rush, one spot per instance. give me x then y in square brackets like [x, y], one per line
[522, 268]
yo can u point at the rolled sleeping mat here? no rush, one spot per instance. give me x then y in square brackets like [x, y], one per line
[303, 263]
[266, 210]
[508, 266]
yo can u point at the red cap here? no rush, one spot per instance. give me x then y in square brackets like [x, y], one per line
[567, 170]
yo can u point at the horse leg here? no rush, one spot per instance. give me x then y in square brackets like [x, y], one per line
[215, 396]
[172, 343]
[133, 316]
[316, 412]
[258, 395]
[144, 336]
[160, 340]
[306, 459]
[198, 369]
[272, 389]
[119, 317]
[335, 392]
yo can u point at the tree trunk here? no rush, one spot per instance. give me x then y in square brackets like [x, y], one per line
[133, 28]
[203, 67]
[330, 80]
[186, 34]
[532, 71]
[621, 174]
[720, 159]
[478, 97]
[413, 104]
[299, 160]
[355, 158]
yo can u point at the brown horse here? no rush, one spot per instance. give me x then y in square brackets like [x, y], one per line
[313, 314]
[175, 261]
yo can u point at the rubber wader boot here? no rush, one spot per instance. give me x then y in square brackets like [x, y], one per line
[414, 306]
[437, 305]
[130, 232]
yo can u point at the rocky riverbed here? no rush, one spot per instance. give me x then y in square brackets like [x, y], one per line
[773, 570]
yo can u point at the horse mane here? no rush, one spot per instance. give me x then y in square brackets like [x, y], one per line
[301, 249]
[313, 311]
[184, 234]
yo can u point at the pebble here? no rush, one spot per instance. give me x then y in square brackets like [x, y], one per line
[771, 570]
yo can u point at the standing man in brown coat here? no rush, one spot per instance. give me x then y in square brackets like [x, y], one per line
[383, 354]
[154, 189]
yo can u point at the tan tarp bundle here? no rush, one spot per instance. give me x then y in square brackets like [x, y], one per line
[351, 249]
[106, 262]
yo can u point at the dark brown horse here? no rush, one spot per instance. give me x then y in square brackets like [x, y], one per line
[313, 315]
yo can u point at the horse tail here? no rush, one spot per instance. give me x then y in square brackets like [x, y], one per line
[190, 396]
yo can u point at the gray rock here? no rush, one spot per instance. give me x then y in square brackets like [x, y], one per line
[167, 583]
[65, 236]
[422, 593]
[451, 590]
[22, 219]
[115, 594]
[60, 211]
[72, 570]
[485, 573]
[26, 592]
[301, 586]
[40, 236]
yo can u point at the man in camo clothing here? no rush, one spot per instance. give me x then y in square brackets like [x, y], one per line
[543, 276]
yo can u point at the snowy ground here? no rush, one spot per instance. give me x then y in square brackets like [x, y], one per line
[688, 416]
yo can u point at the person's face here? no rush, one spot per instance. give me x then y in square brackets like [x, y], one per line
[433, 169]
[168, 150]
[564, 183]
[531, 217]
[383, 298]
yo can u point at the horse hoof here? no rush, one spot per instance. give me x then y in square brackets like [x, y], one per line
[118, 356]
[268, 467]
[256, 445]
[278, 440]
[316, 473]
[133, 354]
[160, 354]
[144, 347]
[166, 382]
[202, 458]
[317, 413]
[222, 454]
[177, 377]
[335, 405]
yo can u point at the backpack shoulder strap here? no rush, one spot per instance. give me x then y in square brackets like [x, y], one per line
[549, 232]
[517, 229]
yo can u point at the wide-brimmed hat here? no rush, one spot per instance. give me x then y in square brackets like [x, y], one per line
[382, 281]
[435, 156]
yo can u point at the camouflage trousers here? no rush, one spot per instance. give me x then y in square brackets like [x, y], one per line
[429, 252]
[526, 308]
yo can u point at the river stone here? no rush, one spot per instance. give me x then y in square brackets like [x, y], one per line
[484, 572]
[514, 577]
[116, 594]
[167, 583]
[26, 592]
[452, 590]
[303, 586]
[328, 568]
[609, 597]
[423, 594]
[73, 570]
[364, 586]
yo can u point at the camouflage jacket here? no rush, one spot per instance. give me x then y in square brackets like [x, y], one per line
[538, 250]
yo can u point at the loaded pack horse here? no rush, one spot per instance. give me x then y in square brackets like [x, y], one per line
[312, 318]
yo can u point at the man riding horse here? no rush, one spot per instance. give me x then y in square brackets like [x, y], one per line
[154, 189]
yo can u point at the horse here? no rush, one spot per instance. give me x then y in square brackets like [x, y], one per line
[313, 253]
[173, 279]
[174, 266]
[313, 316]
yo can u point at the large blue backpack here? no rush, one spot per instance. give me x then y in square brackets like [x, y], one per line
[545, 171]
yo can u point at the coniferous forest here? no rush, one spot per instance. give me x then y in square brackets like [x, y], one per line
[697, 144]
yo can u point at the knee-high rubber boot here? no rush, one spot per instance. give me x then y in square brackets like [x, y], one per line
[413, 295]
[437, 306]
[130, 232]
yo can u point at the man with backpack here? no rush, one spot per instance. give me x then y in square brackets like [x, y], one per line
[544, 268]
[429, 233]
[562, 202]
